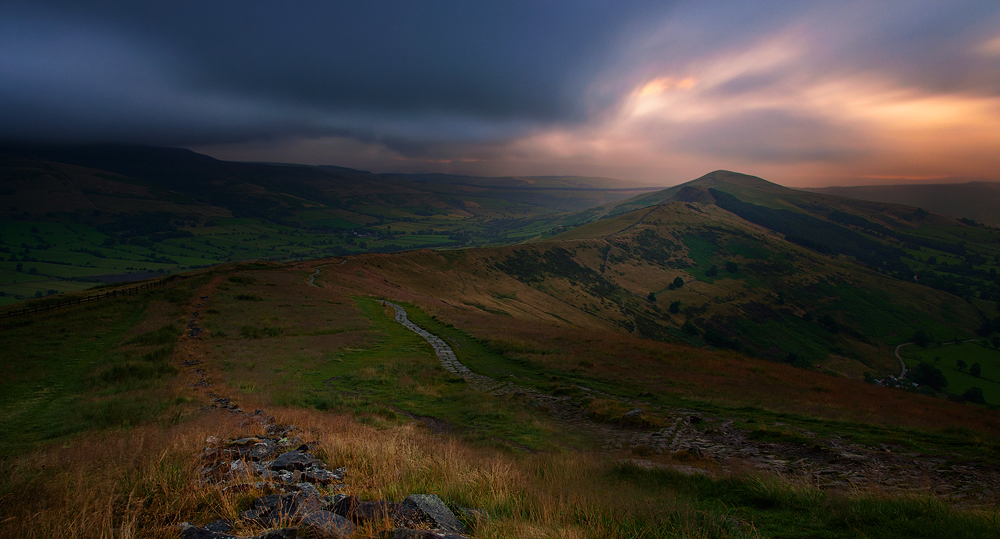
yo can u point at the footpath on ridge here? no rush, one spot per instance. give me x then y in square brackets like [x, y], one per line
[718, 444]
[829, 463]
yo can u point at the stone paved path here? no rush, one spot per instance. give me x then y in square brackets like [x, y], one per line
[830, 463]
[312, 278]
[564, 409]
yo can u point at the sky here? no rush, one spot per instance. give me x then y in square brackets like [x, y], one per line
[801, 93]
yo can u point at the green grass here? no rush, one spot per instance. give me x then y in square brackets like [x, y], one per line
[779, 509]
[388, 374]
[394, 373]
[960, 380]
[703, 252]
[51, 368]
[78, 369]
[68, 254]
[501, 359]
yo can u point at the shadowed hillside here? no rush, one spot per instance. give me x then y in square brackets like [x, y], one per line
[979, 201]
[76, 215]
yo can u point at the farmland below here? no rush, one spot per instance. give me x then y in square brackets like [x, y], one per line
[719, 357]
[75, 216]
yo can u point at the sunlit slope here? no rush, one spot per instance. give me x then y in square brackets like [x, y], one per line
[958, 256]
[744, 288]
[692, 191]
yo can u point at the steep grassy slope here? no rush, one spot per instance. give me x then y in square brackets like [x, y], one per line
[907, 243]
[538, 326]
[742, 287]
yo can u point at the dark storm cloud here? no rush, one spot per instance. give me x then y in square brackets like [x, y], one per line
[636, 84]
[240, 69]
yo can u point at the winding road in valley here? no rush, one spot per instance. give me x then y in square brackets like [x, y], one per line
[902, 364]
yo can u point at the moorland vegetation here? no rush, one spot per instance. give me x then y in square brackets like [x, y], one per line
[695, 362]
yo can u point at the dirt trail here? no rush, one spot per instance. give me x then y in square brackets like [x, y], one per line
[717, 444]
[635, 224]
[196, 374]
[902, 364]
[676, 437]
[312, 278]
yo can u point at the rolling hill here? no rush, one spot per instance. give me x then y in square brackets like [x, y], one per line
[75, 215]
[747, 265]
[704, 354]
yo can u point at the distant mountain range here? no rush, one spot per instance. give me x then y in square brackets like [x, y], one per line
[296, 195]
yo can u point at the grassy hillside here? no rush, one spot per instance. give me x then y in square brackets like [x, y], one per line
[728, 261]
[103, 428]
[75, 215]
[741, 288]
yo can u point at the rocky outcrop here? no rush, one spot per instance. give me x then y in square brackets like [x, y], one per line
[303, 493]
[361, 511]
[427, 510]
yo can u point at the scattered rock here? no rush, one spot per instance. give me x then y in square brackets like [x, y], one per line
[361, 511]
[308, 446]
[292, 460]
[190, 531]
[633, 413]
[280, 533]
[220, 526]
[427, 509]
[679, 468]
[324, 524]
[280, 431]
[407, 533]
[273, 508]
[262, 450]
[320, 476]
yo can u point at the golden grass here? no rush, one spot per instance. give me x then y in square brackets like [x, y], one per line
[717, 376]
[721, 377]
[144, 482]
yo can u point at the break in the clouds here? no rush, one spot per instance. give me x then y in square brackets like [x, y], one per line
[658, 91]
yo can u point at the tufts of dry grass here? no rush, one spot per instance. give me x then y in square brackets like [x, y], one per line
[613, 411]
[144, 482]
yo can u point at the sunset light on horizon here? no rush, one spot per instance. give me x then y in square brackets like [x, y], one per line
[802, 93]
